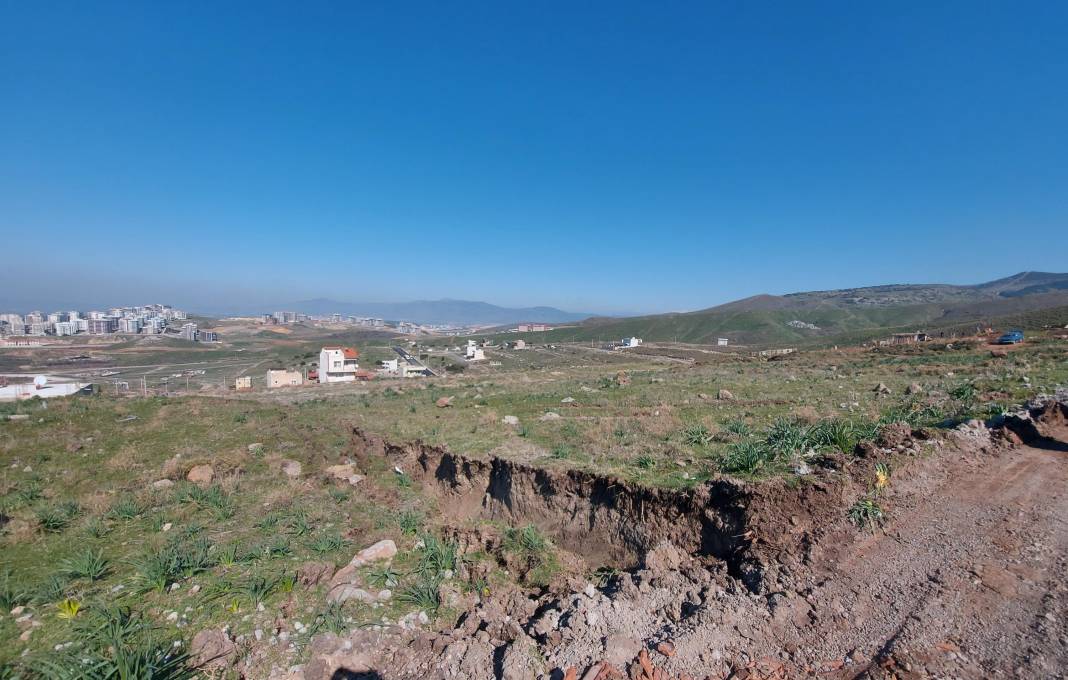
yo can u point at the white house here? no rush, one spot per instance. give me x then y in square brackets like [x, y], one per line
[631, 342]
[721, 342]
[337, 364]
[474, 352]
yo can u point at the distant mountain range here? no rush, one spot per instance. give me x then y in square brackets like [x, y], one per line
[842, 315]
[461, 312]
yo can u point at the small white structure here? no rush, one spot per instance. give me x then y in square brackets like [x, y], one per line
[391, 366]
[474, 352]
[631, 342]
[520, 344]
[280, 378]
[721, 342]
[41, 388]
[338, 364]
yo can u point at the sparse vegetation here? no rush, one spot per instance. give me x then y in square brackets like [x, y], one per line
[866, 513]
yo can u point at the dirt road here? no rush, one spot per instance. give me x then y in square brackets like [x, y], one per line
[968, 579]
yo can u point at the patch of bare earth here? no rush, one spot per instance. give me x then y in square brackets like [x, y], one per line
[966, 578]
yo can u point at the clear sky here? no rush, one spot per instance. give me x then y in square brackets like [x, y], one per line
[593, 156]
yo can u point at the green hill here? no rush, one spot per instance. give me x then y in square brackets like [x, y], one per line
[838, 316]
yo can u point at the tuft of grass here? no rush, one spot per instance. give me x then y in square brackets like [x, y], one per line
[51, 590]
[96, 528]
[258, 588]
[114, 643]
[330, 618]
[179, 558]
[696, 435]
[28, 492]
[11, 593]
[125, 509]
[535, 550]
[299, 524]
[561, 452]
[90, 564]
[383, 577]
[747, 457]
[867, 513]
[738, 427]
[327, 543]
[410, 522]
[436, 557]
[645, 461]
[787, 437]
[422, 594]
[56, 518]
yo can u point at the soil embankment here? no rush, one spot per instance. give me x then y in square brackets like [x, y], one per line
[731, 580]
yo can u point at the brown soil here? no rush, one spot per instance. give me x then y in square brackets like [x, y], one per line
[966, 579]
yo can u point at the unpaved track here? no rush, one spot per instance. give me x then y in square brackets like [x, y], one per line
[967, 580]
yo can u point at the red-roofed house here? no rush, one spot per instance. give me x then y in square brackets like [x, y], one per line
[338, 364]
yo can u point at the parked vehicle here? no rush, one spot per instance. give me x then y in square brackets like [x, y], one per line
[1011, 338]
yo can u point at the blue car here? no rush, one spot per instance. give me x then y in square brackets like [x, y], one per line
[1011, 338]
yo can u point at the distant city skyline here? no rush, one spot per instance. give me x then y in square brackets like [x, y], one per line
[611, 158]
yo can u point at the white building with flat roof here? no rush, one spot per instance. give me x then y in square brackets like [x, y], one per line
[338, 364]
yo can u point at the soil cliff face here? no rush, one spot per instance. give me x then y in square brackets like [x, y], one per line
[610, 521]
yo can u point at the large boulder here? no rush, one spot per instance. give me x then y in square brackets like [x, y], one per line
[201, 475]
[348, 575]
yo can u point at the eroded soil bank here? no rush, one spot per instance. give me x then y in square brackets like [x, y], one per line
[610, 522]
[765, 580]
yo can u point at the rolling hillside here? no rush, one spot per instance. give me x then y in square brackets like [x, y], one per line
[825, 317]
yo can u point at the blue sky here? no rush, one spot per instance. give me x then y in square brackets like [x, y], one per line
[609, 157]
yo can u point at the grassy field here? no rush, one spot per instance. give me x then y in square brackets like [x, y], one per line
[92, 541]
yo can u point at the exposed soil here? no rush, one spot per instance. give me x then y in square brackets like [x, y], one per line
[763, 580]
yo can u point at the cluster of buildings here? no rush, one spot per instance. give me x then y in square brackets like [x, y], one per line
[532, 328]
[336, 364]
[152, 319]
[296, 317]
[339, 364]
